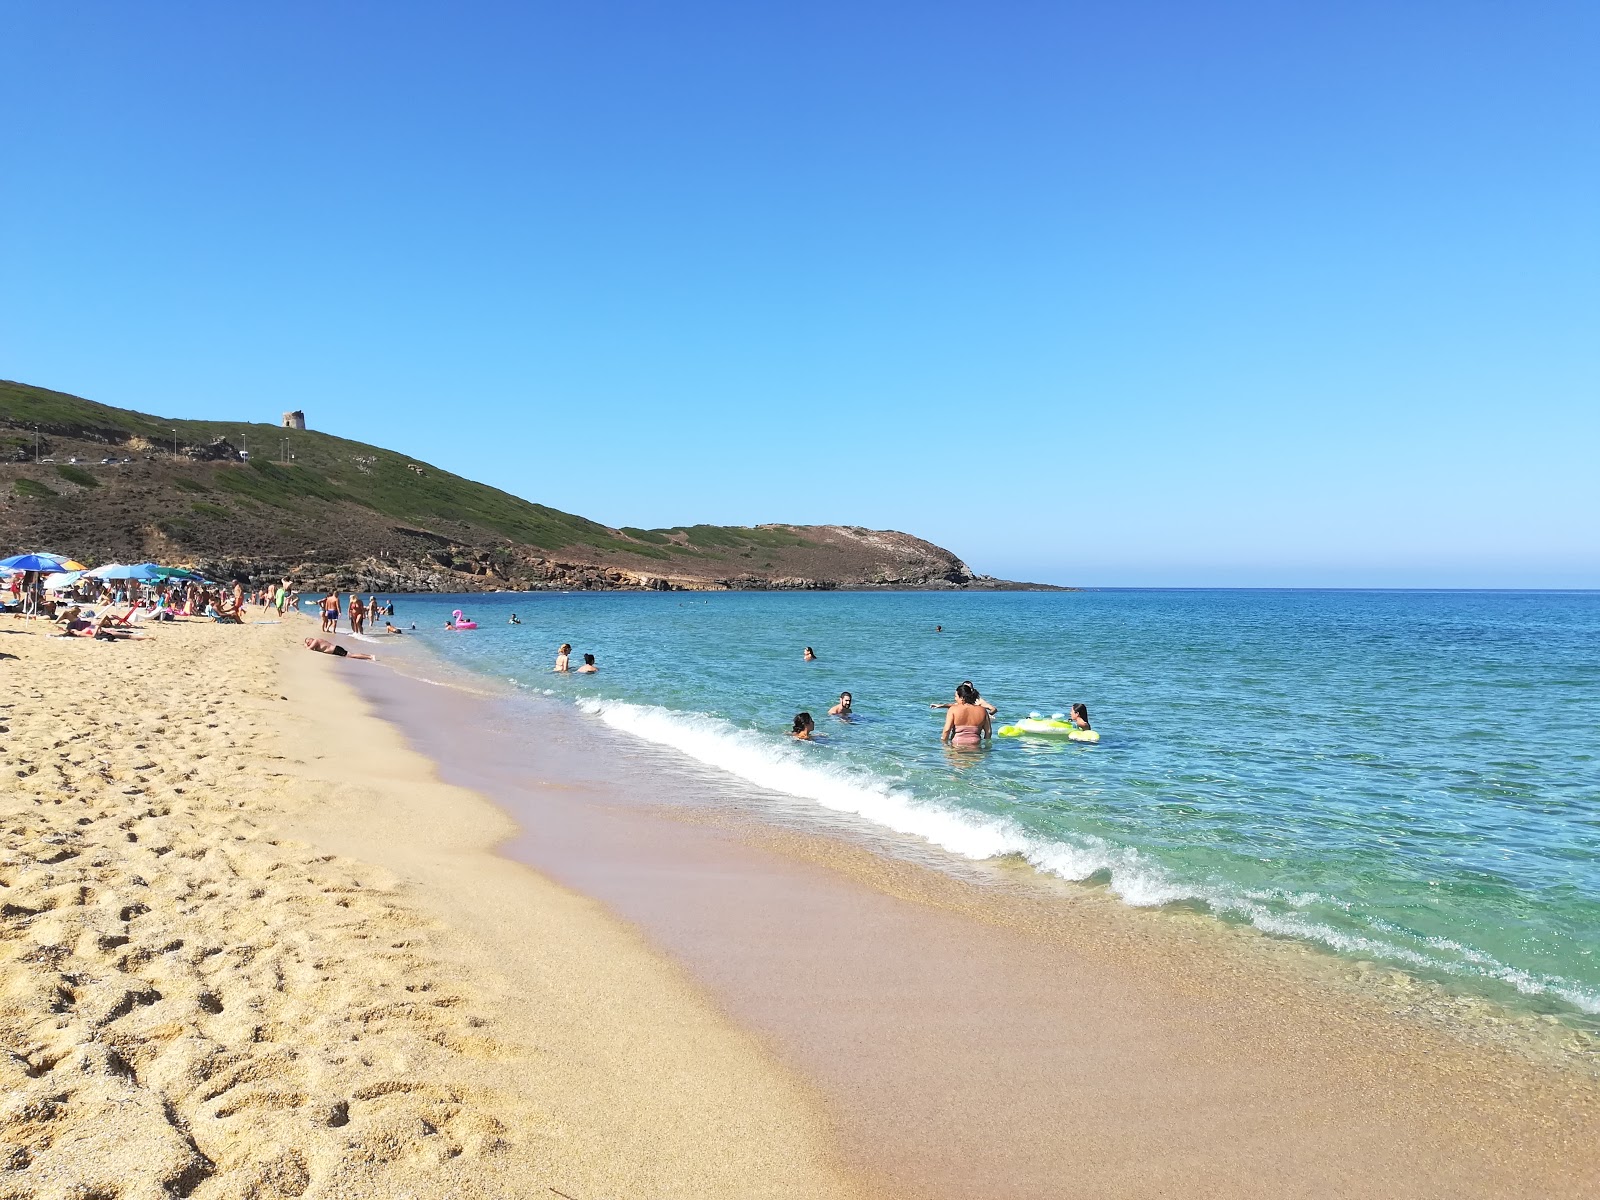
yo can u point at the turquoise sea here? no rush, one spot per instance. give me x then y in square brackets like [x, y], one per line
[1406, 777]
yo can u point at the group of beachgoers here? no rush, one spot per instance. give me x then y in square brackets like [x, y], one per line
[968, 720]
[88, 606]
[564, 661]
[357, 611]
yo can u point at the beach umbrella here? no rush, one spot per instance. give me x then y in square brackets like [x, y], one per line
[61, 580]
[39, 562]
[124, 571]
[179, 573]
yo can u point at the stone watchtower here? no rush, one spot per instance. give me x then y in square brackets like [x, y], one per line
[294, 420]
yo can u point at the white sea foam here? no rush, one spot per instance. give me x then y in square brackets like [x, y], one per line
[798, 770]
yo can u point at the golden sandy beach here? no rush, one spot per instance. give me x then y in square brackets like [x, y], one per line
[252, 948]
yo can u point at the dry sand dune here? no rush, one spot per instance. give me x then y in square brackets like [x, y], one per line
[193, 1003]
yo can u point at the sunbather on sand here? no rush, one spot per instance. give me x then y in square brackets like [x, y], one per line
[324, 646]
[105, 627]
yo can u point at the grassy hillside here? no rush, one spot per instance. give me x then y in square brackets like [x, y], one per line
[180, 489]
[319, 466]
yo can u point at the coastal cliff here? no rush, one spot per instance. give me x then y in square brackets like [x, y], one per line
[110, 484]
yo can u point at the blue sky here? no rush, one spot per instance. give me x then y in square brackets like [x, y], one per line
[1113, 294]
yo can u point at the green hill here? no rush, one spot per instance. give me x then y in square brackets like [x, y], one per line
[255, 500]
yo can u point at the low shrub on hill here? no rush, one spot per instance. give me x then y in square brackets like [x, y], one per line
[77, 475]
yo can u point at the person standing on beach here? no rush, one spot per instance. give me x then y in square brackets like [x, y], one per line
[358, 613]
[561, 657]
[330, 613]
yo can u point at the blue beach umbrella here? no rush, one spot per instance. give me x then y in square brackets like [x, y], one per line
[124, 571]
[37, 562]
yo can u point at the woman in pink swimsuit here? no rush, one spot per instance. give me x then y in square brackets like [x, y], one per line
[966, 724]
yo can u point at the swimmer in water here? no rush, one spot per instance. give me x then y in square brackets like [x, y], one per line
[811, 655]
[588, 667]
[1080, 716]
[977, 699]
[515, 620]
[938, 628]
[966, 725]
[803, 728]
[561, 657]
[389, 627]
[842, 709]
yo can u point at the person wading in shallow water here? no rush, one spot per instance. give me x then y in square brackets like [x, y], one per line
[562, 657]
[588, 667]
[843, 708]
[803, 727]
[967, 724]
[977, 699]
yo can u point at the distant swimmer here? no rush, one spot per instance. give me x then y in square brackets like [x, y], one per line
[842, 709]
[1079, 716]
[804, 727]
[967, 723]
[588, 667]
[324, 646]
[515, 620]
[976, 699]
[561, 657]
[811, 655]
[938, 628]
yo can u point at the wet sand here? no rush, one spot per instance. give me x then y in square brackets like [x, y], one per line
[971, 1039]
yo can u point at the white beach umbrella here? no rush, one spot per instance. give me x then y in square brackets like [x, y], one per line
[61, 580]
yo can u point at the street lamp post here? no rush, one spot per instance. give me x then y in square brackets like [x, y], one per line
[174, 444]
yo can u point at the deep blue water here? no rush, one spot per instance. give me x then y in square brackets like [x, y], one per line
[1409, 777]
